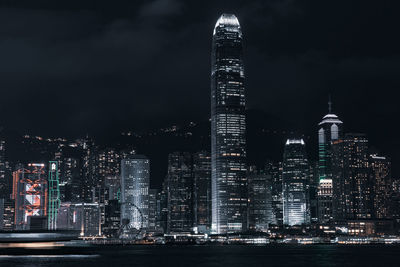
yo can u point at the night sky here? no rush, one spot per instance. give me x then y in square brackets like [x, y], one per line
[72, 67]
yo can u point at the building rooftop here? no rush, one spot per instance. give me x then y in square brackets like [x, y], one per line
[229, 21]
[330, 118]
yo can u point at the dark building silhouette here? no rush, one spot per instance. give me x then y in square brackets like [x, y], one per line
[380, 167]
[352, 186]
[260, 200]
[202, 191]
[179, 182]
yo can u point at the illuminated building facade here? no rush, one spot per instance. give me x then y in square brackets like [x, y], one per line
[152, 227]
[202, 190]
[54, 195]
[275, 171]
[352, 187]
[179, 182]
[295, 179]
[330, 130]
[381, 182]
[260, 200]
[228, 128]
[30, 194]
[7, 214]
[135, 180]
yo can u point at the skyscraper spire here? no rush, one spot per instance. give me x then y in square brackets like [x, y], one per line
[329, 105]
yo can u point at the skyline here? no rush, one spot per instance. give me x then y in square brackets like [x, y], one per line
[107, 140]
[293, 64]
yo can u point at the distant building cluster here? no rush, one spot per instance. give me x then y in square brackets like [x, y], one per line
[105, 193]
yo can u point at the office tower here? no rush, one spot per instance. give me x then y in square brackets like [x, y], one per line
[84, 217]
[381, 182]
[228, 128]
[330, 129]
[135, 180]
[71, 182]
[152, 227]
[162, 207]
[179, 182]
[314, 189]
[202, 191]
[275, 171]
[54, 195]
[108, 171]
[260, 200]
[352, 188]
[29, 193]
[112, 223]
[89, 170]
[295, 178]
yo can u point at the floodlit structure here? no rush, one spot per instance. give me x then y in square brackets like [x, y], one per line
[135, 179]
[330, 130]
[228, 128]
[29, 193]
[295, 180]
[54, 195]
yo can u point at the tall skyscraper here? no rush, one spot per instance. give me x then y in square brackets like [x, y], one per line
[54, 195]
[202, 191]
[352, 188]
[135, 181]
[330, 129]
[179, 188]
[228, 128]
[295, 180]
[381, 181]
[29, 193]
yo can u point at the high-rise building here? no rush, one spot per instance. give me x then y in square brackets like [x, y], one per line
[162, 208]
[295, 179]
[112, 222]
[275, 171]
[260, 200]
[152, 227]
[330, 129]
[30, 193]
[89, 170]
[135, 181]
[202, 191]
[381, 181]
[352, 187]
[54, 195]
[179, 182]
[71, 182]
[228, 128]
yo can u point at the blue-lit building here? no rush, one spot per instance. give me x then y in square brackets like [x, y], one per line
[228, 128]
[135, 179]
[330, 130]
[295, 183]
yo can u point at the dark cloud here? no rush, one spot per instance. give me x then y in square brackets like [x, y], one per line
[101, 66]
